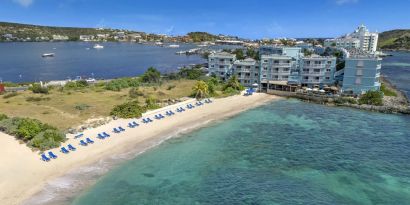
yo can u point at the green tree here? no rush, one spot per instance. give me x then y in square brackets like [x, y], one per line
[128, 110]
[239, 54]
[37, 88]
[233, 83]
[152, 75]
[191, 73]
[200, 89]
[372, 98]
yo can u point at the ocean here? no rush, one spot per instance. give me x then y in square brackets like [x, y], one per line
[285, 152]
[22, 62]
[397, 69]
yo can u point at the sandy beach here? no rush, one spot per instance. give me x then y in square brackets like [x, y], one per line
[23, 174]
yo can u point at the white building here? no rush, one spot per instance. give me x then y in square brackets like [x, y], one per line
[220, 64]
[247, 71]
[361, 39]
[316, 70]
[275, 67]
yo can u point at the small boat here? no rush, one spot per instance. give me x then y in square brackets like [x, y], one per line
[98, 46]
[202, 45]
[47, 55]
[173, 46]
[158, 43]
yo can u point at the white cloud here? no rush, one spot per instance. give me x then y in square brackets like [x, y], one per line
[342, 2]
[24, 3]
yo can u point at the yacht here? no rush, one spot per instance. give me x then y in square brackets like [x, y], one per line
[173, 46]
[98, 46]
[47, 55]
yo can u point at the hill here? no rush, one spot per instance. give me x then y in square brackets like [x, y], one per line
[395, 39]
[201, 36]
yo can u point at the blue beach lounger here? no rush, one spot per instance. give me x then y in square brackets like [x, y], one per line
[52, 155]
[149, 120]
[157, 117]
[144, 120]
[71, 147]
[44, 157]
[116, 130]
[106, 134]
[130, 125]
[121, 129]
[64, 150]
[179, 110]
[83, 143]
[168, 113]
[89, 140]
[100, 136]
[135, 124]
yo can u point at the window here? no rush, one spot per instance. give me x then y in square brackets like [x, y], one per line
[256, 74]
[316, 70]
[221, 66]
[328, 70]
[358, 80]
[329, 62]
[265, 68]
[265, 61]
[276, 69]
[264, 76]
[287, 61]
[275, 77]
[248, 67]
[212, 59]
[276, 61]
[222, 73]
[317, 78]
[286, 69]
[327, 78]
[285, 77]
[238, 67]
[306, 78]
[212, 66]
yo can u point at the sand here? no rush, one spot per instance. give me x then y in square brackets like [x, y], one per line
[23, 174]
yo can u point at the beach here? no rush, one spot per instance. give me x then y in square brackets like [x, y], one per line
[23, 174]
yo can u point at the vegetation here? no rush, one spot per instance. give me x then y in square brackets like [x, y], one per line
[201, 36]
[233, 85]
[387, 91]
[345, 100]
[76, 84]
[151, 103]
[152, 75]
[201, 89]
[128, 110]
[395, 39]
[239, 54]
[35, 133]
[10, 95]
[191, 73]
[372, 98]
[37, 88]
[121, 83]
[251, 53]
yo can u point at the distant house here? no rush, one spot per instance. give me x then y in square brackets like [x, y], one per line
[2, 89]
[8, 35]
[86, 37]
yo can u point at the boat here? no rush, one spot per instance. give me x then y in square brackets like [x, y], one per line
[181, 52]
[98, 46]
[158, 43]
[48, 55]
[202, 45]
[173, 46]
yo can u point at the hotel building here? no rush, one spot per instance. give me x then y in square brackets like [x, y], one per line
[361, 39]
[247, 71]
[220, 64]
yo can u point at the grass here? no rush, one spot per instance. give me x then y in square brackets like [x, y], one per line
[65, 109]
[387, 91]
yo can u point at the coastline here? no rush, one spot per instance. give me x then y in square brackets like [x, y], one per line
[21, 167]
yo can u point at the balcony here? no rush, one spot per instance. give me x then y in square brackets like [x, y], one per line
[315, 65]
[281, 64]
[313, 73]
[311, 81]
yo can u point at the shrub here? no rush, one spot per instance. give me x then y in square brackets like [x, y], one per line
[135, 93]
[47, 139]
[387, 91]
[344, 100]
[76, 84]
[3, 116]
[35, 133]
[10, 95]
[128, 110]
[233, 83]
[37, 88]
[191, 73]
[81, 107]
[121, 83]
[37, 99]
[372, 98]
[170, 87]
[151, 103]
[152, 75]
[230, 91]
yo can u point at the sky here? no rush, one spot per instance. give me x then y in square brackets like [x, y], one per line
[252, 19]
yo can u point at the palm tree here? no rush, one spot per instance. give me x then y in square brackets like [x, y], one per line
[234, 83]
[201, 89]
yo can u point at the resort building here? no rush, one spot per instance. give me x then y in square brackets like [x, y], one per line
[361, 39]
[317, 70]
[247, 71]
[275, 67]
[220, 64]
[294, 52]
[361, 73]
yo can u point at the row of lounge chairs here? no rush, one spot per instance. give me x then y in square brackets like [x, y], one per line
[133, 124]
[159, 116]
[119, 129]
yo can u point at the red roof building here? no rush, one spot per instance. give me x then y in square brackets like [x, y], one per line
[2, 88]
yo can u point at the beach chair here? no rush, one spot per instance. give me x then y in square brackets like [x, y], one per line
[52, 155]
[64, 150]
[189, 106]
[130, 125]
[182, 109]
[115, 130]
[106, 134]
[135, 124]
[198, 103]
[44, 157]
[168, 113]
[144, 121]
[157, 117]
[71, 147]
[121, 129]
[161, 116]
[100, 136]
[179, 110]
[90, 141]
[83, 143]
[149, 120]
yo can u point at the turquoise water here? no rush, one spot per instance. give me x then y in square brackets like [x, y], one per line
[286, 152]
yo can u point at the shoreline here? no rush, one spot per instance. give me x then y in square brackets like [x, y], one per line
[25, 169]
